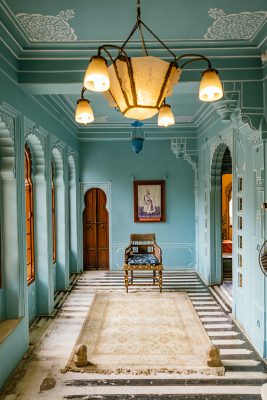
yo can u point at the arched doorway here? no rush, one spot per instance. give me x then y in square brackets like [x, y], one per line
[227, 224]
[95, 230]
[221, 218]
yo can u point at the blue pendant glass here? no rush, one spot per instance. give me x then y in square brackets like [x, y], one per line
[137, 136]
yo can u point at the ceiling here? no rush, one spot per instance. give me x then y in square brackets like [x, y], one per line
[52, 42]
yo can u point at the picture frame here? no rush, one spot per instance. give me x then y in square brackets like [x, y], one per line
[149, 201]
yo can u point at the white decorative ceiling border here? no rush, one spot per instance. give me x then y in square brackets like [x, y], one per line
[48, 28]
[237, 26]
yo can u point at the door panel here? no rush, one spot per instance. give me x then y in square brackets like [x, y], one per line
[95, 230]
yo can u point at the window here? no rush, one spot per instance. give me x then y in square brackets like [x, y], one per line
[240, 229]
[53, 215]
[29, 216]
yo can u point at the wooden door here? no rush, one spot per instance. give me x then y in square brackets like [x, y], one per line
[95, 231]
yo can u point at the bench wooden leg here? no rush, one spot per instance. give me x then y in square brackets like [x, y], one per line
[126, 280]
[160, 281]
[154, 277]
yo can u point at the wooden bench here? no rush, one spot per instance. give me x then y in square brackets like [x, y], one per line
[143, 254]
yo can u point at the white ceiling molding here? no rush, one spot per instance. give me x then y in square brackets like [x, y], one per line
[48, 28]
[242, 25]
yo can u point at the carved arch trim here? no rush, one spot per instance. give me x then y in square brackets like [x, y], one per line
[7, 147]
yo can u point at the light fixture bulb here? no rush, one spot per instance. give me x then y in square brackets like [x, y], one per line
[84, 113]
[210, 88]
[96, 76]
[165, 117]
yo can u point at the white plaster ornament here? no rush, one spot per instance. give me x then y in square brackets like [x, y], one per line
[48, 28]
[234, 26]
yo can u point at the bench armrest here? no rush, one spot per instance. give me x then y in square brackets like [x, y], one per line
[157, 252]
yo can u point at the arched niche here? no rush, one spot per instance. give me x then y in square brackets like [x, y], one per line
[215, 213]
[43, 272]
[12, 270]
[73, 239]
[62, 238]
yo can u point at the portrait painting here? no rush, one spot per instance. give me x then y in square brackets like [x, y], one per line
[149, 201]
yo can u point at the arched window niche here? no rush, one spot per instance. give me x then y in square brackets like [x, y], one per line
[73, 231]
[40, 294]
[29, 216]
[13, 281]
[62, 237]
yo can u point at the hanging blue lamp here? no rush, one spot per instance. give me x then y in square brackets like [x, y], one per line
[137, 136]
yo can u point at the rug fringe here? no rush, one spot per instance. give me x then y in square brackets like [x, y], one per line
[219, 371]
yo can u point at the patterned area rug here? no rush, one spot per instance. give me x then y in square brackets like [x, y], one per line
[142, 333]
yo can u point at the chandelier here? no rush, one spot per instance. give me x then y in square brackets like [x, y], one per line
[138, 86]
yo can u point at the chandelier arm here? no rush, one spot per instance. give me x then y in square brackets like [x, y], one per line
[120, 50]
[189, 61]
[197, 57]
[158, 39]
[168, 73]
[82, 92]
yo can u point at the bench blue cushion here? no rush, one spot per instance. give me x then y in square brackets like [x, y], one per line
[143, 259]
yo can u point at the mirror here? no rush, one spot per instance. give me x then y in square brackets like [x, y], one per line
[263, 257]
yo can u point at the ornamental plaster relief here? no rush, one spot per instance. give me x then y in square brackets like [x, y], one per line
[234, 26]
[255, 138]
[9, 123]
[48, 28]
[7, 146]
[105, 186]
[240, 152]
[57, 145]
[226, 140]
[179, 148]
[260, 184]
[227, 105]
[36, 141]
[57, 155]
[72, 168]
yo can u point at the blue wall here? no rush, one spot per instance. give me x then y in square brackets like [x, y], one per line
[116, 162]
[13, 349]
[19, 112]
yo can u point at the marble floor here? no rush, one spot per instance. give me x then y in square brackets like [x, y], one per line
[39, 375]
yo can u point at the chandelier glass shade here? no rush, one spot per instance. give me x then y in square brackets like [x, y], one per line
[96, 76]
[139, 86]
[165, 117]
[210, 88]
[84, 113]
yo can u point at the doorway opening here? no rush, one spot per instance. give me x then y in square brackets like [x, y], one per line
[221, 217]
[226, 226]
[95, 231]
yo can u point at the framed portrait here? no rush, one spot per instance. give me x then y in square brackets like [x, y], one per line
[149, 201]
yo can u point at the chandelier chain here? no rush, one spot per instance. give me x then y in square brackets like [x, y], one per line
[143, 40]
[138, 10]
